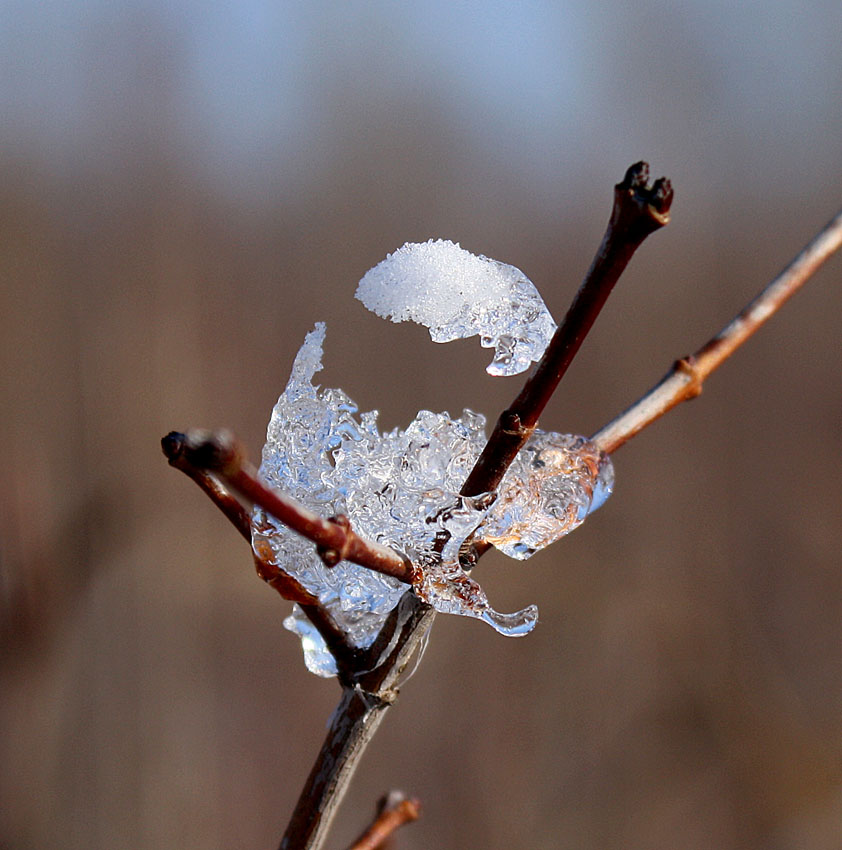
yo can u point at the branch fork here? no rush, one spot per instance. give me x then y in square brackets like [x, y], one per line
[217, 463]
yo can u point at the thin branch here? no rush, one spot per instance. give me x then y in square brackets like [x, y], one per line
[352, 727]
[219, 453]
[684, 381]
[346, 654]
[173, 448]
[638, 211]
[393, 811]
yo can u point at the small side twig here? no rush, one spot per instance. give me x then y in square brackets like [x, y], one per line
[638, 211]
[174, 446]
[219, 453]
[393, 811]
[684, 381]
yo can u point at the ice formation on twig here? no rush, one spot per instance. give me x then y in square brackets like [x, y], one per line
[401, 489]
[555, 481]
[457, 294]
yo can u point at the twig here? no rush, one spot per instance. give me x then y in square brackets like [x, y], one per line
[369, 678]
[638, 211]
[352, 727]
[220, 454]
[346, 654]
[684, 381]
[393, 811]
[173, 447]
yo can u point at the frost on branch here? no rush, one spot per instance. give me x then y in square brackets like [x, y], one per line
[401, 489]
[457, 294]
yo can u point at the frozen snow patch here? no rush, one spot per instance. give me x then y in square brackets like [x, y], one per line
[457, 294]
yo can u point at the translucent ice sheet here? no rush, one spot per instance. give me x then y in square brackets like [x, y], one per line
[401, 489]
[555, 481]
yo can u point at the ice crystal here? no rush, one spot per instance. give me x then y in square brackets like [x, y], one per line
[401, 489]
[457, 294]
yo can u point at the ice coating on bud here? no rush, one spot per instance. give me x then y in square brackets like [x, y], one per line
[555, 481]
[401, 489]
[457, 294]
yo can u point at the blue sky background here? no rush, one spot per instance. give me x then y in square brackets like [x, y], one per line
[256, 91]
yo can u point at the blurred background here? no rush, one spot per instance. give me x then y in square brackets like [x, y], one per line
[186, 187]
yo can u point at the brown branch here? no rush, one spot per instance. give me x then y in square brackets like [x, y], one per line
[219, 453]
[684, 381]
[393, 811]
[352, 726]
[174, 446]
[369, 678]
[371, 685]
[638, 211]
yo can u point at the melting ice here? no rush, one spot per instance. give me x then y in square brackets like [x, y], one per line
[457, 294]
[555, 481]
[401, 489]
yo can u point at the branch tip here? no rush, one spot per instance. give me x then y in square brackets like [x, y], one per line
[638, 210]
[662, 195]
[393, 811]
[215, 451]
[636, 176]
[639, 205]
[172, 445]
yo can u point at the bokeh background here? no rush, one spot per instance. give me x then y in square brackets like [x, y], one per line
[186, 187]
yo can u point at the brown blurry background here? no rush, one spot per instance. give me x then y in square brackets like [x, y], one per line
[185, 190]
